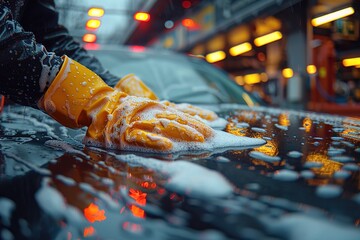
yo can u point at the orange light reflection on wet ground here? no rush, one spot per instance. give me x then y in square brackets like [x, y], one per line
[89, 231]
[92, 213]
[140, 198]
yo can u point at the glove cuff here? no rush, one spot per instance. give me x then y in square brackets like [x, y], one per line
[70, 92]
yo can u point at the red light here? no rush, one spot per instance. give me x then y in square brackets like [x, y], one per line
[137, 48]
[2, 102]
[140, 198]
[89, 231]
[89, 38]
[142, 16]
[190, 24]
[186, 4]
[261, 56]
[91, 46]
[93, 213]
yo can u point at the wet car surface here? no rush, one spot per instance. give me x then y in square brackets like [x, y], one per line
[304, 183]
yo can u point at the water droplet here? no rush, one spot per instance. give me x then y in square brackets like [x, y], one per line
[286, 175]
[329, 191]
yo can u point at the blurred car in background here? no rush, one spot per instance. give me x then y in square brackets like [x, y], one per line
[173, 76]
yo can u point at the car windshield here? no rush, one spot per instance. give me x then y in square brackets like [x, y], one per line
[177, 78]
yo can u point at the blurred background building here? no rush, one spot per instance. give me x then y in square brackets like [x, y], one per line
[295, 53]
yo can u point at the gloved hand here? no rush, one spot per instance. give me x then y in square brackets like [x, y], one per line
[133, 86]
[78, 97]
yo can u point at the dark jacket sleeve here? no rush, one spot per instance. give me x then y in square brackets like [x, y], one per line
[26, 68]
[41, 18]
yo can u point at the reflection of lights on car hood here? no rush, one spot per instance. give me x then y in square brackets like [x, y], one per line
[93, 213]
[328, 166]
[284, 119]
[307, 123]
[270, 148]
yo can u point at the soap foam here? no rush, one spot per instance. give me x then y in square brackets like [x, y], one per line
[185, 177]
[219, 123]
[264, 157]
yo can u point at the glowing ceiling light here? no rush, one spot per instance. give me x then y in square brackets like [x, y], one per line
[311, 69]
[142, 16]
[215, 56]
[190, 24]
[268, 38]
[96, 12]
[332, 16]
[252, 78]
[93, 24]
[240, 49]
[287, 72]
[349, 62]
[186, 4]
[89, 38]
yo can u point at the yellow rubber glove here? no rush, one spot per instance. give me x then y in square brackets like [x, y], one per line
[78, 97]
[133, 86]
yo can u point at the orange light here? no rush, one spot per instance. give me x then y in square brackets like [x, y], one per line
[89, 38]
[268, 38]
[252, 78]
[92, 213]
[287, 72]
[142, 16]
[189, 23]
[89, 231]
[96, 12]
[93, 24]
[311, 69]
[215, 56]
[350, 62]
[140, 198]
[332, 16]
[148, 185]
[240, 49]
[239, 80]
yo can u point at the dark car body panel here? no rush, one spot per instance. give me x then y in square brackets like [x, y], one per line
[50, 181]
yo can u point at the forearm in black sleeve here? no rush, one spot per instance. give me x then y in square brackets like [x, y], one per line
[26, 68]
[42, 18]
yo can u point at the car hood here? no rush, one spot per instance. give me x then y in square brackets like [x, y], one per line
[303, 180]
